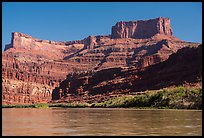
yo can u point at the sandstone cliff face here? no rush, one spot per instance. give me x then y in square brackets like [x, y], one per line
[32, 69]
[109, 83]
[25, 82]
[90, 42]
[142, 28]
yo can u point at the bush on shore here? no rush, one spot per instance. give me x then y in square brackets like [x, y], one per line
[175, 98]
[172, 98]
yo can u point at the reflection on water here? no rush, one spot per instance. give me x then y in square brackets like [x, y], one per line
[93, 121]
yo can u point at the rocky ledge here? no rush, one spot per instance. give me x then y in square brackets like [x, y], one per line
[33, 69]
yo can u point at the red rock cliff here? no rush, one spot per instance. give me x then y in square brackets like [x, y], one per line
[142, 28]
[32, 68]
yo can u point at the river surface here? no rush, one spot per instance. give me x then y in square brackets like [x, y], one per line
[100, 122]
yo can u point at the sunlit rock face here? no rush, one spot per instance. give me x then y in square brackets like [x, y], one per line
[32, 68]
[142, 28]
[113, 82]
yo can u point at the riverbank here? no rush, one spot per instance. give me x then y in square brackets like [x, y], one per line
[167, 98]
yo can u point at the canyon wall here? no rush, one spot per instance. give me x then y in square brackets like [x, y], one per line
[32, 69]
[113, 82]
[142, 28]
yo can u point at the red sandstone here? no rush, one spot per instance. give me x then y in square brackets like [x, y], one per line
[32, 68]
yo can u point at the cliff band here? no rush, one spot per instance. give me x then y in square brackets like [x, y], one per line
[33, 69]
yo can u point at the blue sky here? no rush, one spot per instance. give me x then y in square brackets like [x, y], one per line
[65, 21]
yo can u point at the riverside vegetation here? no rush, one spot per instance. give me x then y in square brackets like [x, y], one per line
[166, 98]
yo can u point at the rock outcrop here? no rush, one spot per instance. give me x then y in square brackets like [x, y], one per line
[32, 69]
[102, 85]
[142, 28]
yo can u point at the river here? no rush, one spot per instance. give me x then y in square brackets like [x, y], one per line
[100, 122]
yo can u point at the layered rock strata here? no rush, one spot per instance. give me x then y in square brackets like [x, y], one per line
[33, 68]
[105, 84]
[142, 28]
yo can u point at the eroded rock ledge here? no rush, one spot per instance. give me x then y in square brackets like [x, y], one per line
[142, 28]
[33, 68]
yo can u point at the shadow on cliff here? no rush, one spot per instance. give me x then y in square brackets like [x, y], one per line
[55, 94]
[74, 54]
[106, 53]
[150, 50]
[184, 66]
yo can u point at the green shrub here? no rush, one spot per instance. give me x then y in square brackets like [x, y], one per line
[177, 97]
[41, 105]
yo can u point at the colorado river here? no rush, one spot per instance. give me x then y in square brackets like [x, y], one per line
[100, 122]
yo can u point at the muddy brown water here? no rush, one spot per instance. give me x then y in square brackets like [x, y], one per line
[100, 122]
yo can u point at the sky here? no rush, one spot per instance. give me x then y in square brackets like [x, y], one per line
[66, 21]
